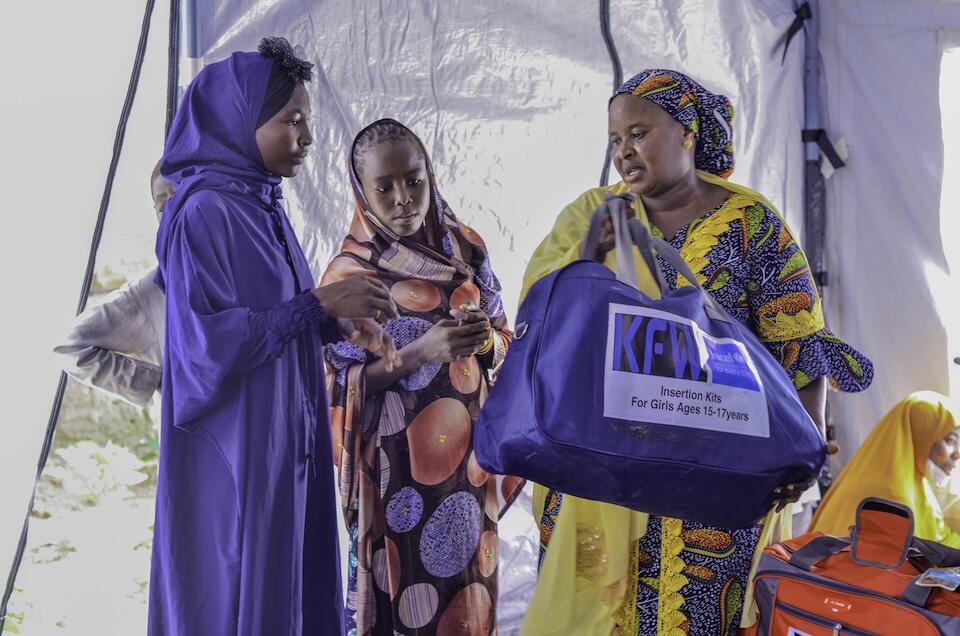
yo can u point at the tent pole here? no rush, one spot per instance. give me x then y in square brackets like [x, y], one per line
[192, 38]
[815, 187]
[617, 74]
[814, 194]
[173, 66]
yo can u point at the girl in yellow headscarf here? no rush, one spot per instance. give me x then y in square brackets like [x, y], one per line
[606, 569]
[914, 446]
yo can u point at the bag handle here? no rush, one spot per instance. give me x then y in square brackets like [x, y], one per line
[818, 550]
[629, 232]
[939, 555]
[876, 518]
[647, 243]
[917, 595]
[863, 533]
[883, 533]
[625, 271]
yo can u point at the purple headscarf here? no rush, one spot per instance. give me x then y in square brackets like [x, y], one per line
[212, 143]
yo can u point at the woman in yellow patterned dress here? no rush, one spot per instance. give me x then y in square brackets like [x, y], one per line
[672, 144]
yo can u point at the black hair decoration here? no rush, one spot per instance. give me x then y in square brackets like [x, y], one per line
[279, 49]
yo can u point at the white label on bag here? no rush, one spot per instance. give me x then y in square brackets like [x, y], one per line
[662, 368]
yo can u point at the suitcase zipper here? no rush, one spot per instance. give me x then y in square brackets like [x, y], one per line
[829, 584]
[838, 628]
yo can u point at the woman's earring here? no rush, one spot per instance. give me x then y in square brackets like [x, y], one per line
[687, 143]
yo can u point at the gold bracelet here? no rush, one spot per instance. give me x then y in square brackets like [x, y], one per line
[487, 347]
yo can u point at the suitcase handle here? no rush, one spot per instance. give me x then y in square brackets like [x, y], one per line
[826, 546]
[883, 534]
[916, 594]
[818, 550]
[938, 554]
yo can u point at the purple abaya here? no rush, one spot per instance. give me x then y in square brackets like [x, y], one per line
[245, 539]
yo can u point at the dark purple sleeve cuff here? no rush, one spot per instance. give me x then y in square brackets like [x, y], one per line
[312, 315]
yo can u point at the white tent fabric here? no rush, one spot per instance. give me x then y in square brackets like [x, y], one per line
[510, 99]
[890, 290]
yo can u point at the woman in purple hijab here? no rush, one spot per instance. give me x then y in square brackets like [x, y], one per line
[245, 539]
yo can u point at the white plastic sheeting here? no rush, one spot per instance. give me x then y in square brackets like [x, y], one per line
[891, 291]
[510, 98]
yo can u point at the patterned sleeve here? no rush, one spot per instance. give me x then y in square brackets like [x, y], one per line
[343, 355]
[787, 311]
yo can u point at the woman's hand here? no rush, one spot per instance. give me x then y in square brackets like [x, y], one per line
[791, 492]
[607, 241]
[359, 296]
[608, 238]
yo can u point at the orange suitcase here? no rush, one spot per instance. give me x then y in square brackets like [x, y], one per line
[818, 585]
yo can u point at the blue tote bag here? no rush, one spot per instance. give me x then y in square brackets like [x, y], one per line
[670, 407]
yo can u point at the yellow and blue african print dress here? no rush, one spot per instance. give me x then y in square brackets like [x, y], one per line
[745, 256]
[691, 578]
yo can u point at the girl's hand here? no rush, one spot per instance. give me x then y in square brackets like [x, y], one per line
[359, 296]
[367, 333]
[451, 340]
[470, 313]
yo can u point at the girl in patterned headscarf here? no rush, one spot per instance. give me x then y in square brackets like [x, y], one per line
[421, 513]
[672, 144]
